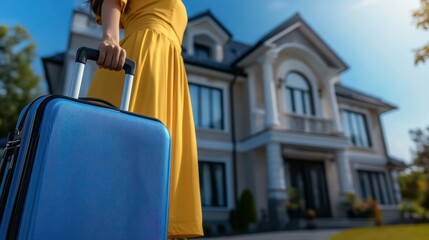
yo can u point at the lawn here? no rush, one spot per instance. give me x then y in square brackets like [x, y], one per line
[398, 232]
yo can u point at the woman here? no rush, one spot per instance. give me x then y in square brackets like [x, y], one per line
[153, 35]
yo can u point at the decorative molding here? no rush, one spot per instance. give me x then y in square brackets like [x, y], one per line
[314, 60]
[192, 69]
[284, 33]
[268, 58]
[214, 145]
[292, 138]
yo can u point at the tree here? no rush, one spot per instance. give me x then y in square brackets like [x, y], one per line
[421, 16]
[18, 83]
[413, 185]
[421, 152]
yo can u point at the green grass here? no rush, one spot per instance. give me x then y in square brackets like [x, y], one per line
[398, 232]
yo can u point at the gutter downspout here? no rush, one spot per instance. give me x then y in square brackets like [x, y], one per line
[233, 138]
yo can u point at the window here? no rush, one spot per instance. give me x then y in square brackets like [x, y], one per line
[298, 94]
[212, 184]
[374, 185]
[207, 107]
[356, 129]
[202, 51]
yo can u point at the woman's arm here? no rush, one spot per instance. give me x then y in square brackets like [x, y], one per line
[112, 56]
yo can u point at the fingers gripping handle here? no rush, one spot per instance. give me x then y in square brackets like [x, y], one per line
[83, 54]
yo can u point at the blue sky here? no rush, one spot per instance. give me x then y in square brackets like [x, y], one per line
[374, 37]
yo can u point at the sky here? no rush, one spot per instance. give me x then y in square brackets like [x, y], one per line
[376, 39]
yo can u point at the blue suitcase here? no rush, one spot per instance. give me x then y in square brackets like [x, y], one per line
[75, 169]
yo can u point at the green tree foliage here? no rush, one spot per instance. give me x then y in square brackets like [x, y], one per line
[414, 181]
[413, 184]
[421, 152]
[421, 16]
[18, 82]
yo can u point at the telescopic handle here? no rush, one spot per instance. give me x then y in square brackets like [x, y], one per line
[83, 54]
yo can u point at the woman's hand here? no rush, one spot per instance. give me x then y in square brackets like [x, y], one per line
[112, 55]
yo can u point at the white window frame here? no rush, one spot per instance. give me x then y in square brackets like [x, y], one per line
[199, 80]
[228, 182]
[359, 167]
[369, 123]
[293, 65]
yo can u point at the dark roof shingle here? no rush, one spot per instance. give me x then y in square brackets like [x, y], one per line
[353, 94]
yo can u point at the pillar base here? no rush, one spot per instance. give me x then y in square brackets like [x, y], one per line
[278, 217]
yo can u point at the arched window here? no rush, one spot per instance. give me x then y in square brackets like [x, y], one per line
[298, 94]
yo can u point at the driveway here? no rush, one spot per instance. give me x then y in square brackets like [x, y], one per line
[287, 235]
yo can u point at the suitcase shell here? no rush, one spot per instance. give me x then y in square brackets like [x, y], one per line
[85, 171]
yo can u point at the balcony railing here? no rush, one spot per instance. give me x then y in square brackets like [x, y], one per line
[307, 124]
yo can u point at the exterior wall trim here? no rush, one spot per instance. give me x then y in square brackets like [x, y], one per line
[214, 145]
[292, 138]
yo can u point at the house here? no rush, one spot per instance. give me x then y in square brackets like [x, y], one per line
[272, 117]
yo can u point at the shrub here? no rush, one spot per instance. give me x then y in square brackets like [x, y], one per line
[244, 214]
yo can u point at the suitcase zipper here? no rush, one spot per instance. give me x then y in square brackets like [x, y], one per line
[26, 172]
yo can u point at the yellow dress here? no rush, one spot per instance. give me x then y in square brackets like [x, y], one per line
[153, 35]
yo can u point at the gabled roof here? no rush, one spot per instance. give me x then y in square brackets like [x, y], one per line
[209, 14]
[282, 27]
[353, 94]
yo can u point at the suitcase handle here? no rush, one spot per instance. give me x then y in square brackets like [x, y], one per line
[83, 54]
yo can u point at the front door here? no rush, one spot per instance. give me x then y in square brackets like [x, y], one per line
[309, 184]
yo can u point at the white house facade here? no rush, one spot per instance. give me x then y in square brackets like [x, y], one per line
[270, 117]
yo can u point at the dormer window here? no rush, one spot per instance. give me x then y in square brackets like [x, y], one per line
[205, 38]
[202, 51]
[204, 47]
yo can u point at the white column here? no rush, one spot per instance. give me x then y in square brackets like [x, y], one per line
[396, 187]
[219, 52]
[251, 89]
[270, 97]
[276, 172]
[190, 44]
[344, 172]
[330, 92]
[277, 194]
